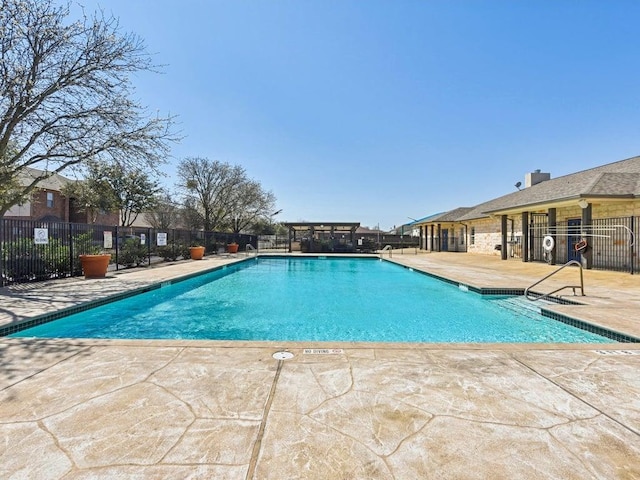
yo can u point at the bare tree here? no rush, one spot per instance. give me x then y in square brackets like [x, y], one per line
[65, 95]
[210, 187]
[190, 214]
[250, 203]
[165, 213]
[222, 195]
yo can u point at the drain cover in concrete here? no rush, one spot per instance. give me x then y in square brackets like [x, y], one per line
[282, 355]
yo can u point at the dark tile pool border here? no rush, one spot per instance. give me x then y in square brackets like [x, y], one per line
[574, 322]
[50, 317]
[589, 327]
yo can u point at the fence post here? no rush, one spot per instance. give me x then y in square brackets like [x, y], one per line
[2, 242]
[117, 249]
[149, 246]
[70, 240]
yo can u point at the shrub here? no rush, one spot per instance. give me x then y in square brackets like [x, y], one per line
[171, 252]
[56, 257]
[132, 253]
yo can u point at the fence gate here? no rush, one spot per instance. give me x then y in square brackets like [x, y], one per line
[538, 228]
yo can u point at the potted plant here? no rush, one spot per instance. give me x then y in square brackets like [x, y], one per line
[232, 247]
[196, 252]
[95, 265]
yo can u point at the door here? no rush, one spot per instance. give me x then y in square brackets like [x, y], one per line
[573, 237]
[445, 240]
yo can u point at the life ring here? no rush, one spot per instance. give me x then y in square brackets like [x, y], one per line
[548, 243]
[581, 246]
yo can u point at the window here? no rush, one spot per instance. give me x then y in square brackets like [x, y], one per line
[50, 199]
[472, 237]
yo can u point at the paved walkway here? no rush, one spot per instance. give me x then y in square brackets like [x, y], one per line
[78, 409]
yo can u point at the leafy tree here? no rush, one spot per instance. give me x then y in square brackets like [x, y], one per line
[133, 191]
[262, 226]
[114, 187]
[66, 97]
[90, 195]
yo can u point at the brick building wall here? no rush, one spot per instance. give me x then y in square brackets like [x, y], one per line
[50, 204]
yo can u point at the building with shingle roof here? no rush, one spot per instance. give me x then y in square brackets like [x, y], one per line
[568, 209]
[48, 202]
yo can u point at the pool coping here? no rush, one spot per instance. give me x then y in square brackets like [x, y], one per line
[609, 333]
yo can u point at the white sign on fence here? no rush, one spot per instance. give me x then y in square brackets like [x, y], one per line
[41, 236]
[108, 239]
[162, 239]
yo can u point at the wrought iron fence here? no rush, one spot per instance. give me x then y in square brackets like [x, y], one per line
[35, 251]
[612, 241]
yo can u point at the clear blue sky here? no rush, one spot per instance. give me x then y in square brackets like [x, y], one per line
[375, 111]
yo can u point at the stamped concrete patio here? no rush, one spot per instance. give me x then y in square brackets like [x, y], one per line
[78, 409]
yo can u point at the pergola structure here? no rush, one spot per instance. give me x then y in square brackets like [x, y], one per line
[331, 234]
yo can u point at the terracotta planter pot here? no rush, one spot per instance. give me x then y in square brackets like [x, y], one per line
[95, 266]
[196, 253]
[232, 248]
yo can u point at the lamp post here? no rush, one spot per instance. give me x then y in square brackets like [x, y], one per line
[271, 225]
[273, 215]
[414, 220]
[419, 233]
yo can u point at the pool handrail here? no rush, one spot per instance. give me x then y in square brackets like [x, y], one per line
[387, 247]
[581, 286]
[250, 247]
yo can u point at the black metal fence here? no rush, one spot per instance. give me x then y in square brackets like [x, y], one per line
[324, 243]
[612, 242]
[36, 251]
[273, 243]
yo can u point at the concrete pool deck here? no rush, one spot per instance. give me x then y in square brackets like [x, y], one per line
[211, 409]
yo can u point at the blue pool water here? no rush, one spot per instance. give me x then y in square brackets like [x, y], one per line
[307, 299]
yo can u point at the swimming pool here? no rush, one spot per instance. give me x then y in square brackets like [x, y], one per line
[316, 299]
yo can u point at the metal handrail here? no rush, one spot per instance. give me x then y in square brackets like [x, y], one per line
[581, 286]
[387, 247]
[250, 247]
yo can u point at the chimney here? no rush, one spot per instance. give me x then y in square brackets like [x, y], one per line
[535, 177]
